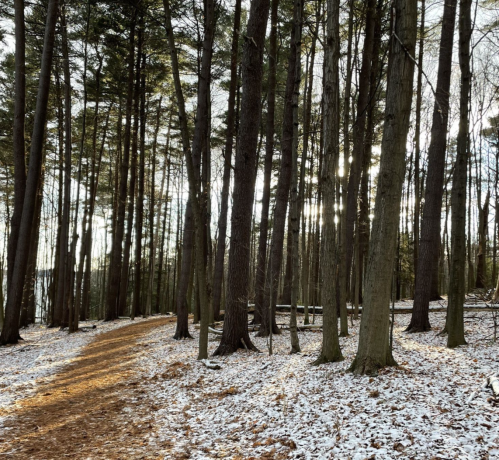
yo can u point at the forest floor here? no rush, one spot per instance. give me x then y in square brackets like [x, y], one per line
[129, 391]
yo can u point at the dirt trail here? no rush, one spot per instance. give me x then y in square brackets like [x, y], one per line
[80, 413]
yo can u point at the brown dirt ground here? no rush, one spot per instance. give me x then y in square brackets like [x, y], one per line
[79, 413]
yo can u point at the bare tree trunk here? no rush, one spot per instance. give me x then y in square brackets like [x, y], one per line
[154, 236]
[18, 137]
[455, 321]
[229, 141]
[294, 197]
[235, 334]
[60, 314]
[139, 215]
[10, 331]
[192, 163]
[116, 249]
[430, 224]
[359, 130]
[374, 350]
[417, 136]
[125, 270]
[89, 233]
[281, 202]
[267, 174]
[331, 351]
[27, 310]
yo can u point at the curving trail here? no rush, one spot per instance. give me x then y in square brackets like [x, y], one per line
[82, 413]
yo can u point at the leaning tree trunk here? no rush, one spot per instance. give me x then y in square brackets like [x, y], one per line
[182, 297]
[457, 283]
[430, 224]
[10, 331]
[235, 334]
[18, 137]
[374, 350]
[27, 311]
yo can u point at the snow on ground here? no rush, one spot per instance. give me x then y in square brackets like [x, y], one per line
[42, 352]
[280, 406]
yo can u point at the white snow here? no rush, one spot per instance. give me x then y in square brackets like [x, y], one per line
[280, 406]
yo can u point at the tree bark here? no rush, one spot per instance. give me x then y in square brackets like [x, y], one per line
[59, 319]
[18, 137]
[359, 131]
[457, 284]
[281, 202]
[125, 270]
[10, 332]
[235, 334]
[139, 215]
[116, 249]
[229, 141]
[331, 351]
[294, 197]
[430, 224]
[267, 173]
[374, 350]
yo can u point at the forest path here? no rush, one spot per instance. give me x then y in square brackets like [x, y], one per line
[83, 412]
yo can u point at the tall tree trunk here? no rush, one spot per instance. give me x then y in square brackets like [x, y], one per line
[281, 202]
[125, 271]
[154, 229]
[417, 136]
[89, 233]
[374, 350]
[229, 141]
[10, 331]
[88, 213]
[18, 138]
[294, 196]
[116, 249]
[430, 224]
[343, 269]
[374, 94]
[359, 131]
[455, 321]
[331, 132]
[267, 173]
[139, 215]
[60, 315]
[235, 334]
[306, 136]
[192, 163]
